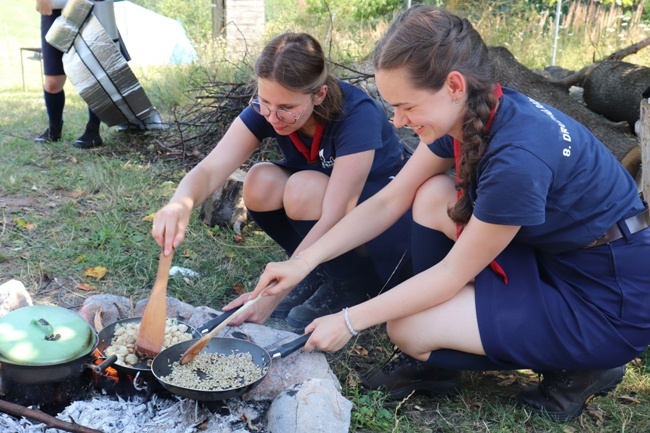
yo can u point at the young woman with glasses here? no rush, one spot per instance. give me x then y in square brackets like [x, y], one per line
[339, 149]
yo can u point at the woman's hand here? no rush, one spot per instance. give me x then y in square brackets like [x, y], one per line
[285, 276]
[329, 333]
[258, 313]
[169, 226]
[44, 7]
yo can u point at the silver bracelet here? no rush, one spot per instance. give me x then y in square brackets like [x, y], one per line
[309, 268]
[347, 322]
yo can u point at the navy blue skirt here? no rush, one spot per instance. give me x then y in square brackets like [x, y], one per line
[585, 309]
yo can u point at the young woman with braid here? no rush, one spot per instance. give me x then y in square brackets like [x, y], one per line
[533, 257]
[339, 149]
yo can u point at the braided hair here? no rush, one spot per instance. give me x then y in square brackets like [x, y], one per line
[430, 42]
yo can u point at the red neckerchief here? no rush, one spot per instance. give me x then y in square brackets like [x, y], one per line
[498, 92]
[310, 154]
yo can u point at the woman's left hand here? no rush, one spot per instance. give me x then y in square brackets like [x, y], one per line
[329, 333]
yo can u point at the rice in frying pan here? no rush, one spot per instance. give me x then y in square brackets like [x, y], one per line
[215, 372]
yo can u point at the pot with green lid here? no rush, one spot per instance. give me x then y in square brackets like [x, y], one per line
[45, 351]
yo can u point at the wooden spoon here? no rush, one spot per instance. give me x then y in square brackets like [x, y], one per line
[151, 335]
[197, 347]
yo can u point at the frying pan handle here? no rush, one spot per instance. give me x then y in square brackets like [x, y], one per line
[213, 323]
[290, 347]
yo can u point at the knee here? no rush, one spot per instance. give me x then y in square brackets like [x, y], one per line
[397, 333]
[401, 334]
[304, 194]
[54, 83]
[432, 200]
[263, 187]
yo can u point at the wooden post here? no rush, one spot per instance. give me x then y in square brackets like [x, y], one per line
[218, 17]
[644, 142]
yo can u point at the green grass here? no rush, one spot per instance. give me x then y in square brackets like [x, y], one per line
[64, 210]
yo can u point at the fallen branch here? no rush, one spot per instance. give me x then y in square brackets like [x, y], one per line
[578, 77]
[37, 415]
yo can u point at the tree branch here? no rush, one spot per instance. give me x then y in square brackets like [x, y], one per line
[37, 415]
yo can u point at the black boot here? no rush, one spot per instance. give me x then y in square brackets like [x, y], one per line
[51, 134]
[562, 395]
[331, 297]
[303, 291]
[404, 374]
[90, 137]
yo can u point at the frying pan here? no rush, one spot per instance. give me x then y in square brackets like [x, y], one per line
[161, 365]
[106, 335]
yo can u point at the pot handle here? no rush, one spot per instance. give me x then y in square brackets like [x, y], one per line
[213, 323]
[290, 347]
[99, 368]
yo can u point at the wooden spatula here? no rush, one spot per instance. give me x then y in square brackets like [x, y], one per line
[197, 347]
[152, 326]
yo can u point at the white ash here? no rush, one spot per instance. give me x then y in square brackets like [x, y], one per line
[136, 415]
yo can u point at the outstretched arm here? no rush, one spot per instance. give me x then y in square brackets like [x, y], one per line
[362, 224]
[171, 221]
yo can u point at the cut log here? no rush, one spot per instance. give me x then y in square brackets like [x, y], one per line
[225, 207]
[644, 177]
[513, 74]
[578, 78]
[615, 89]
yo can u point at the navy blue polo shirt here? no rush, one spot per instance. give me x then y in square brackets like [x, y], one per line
[546, 172]
[362, 125]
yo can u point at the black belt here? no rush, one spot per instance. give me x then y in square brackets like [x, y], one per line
[634, 224]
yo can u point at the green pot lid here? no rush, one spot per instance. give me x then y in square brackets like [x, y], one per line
[44, 335]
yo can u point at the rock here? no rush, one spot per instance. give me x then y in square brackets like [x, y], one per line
[175, 308]
[313, 406]
[111, 307]
[225, 207]
[13, 295]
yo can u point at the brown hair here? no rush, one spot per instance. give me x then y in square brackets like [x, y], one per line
[430, 42]
[296, 61]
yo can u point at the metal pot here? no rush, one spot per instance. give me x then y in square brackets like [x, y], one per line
[162, 364]
[45, 352]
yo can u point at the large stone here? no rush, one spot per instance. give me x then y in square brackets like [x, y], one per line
[105, 309]
[313, 406]
[225, 206]
[13, 295]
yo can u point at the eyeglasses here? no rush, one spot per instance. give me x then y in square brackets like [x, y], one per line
[283, 115]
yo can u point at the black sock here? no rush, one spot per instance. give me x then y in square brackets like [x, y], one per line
[93, 120]
[276, 224]
[456, 360]
[54, 103]
[429, 246]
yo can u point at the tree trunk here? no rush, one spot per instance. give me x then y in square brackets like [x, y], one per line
[614, 89]
[513, 74]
